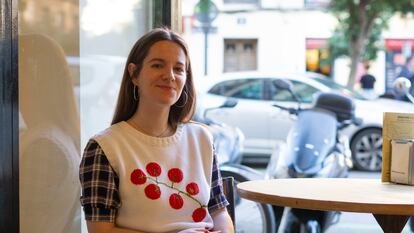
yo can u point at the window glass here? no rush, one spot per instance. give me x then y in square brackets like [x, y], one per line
[104, 45]
[71, 59]
[244, 89]
[339, 88]
[49, 126]
[303, 90]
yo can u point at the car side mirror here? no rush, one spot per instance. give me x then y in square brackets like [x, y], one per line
[286, 85]
[229, 103]
[358, 121]
[283, 84]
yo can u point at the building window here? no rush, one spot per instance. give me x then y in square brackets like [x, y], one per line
[317, 56]
[241, 1]
[240, 55]
[317, 4]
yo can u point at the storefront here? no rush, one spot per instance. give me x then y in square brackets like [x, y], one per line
[397, 51]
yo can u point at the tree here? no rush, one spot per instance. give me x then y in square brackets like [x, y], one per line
[360, 23]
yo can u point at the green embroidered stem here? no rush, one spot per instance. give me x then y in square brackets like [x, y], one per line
[179, 191]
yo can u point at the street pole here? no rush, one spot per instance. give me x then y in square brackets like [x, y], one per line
[205, 12]
[206, 29]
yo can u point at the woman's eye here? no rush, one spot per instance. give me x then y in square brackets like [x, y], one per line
[156, 65]
[179, 69]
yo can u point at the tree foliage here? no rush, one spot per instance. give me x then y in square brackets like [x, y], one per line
[360, 24]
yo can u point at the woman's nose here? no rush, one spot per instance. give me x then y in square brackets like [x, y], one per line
[169, 74]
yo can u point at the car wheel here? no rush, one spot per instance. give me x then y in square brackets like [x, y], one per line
[367, 150]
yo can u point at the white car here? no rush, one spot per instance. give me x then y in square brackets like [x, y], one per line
[264, 125]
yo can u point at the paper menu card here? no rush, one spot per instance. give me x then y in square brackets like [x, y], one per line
[395, 126]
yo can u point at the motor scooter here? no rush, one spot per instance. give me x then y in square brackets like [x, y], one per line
[314, 147]
[249, 216]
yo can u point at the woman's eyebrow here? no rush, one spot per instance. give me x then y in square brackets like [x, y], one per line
[180, 63]
[162, 60]
[156, 59]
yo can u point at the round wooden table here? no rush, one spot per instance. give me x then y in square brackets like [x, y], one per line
[391, 204]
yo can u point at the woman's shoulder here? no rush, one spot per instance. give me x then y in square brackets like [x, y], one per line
[110, 130]
[195, 125]
[105, 139]
[199, 128]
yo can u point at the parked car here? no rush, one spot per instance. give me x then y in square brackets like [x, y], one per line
[264, 125]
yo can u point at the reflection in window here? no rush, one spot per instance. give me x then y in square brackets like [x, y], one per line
[62, 58]
[304, 91]
[105, 47]
[244, 89]
[49, 139]
[49, 128]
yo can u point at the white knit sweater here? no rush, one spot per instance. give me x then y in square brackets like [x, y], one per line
[164, 183]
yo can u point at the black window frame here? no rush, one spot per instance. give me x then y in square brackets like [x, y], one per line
[9, 118]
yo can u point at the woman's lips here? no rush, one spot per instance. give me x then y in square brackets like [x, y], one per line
[167, 88]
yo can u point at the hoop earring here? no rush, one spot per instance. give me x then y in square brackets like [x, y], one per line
[135, 90]
[185, 102]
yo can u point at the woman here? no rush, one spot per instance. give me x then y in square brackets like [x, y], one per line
[152, 170]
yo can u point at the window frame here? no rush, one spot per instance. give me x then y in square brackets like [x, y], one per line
[9, 118]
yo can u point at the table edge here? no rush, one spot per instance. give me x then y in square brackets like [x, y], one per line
[303, 203]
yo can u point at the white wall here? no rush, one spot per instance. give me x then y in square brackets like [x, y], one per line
[281, 38]
[281, 34]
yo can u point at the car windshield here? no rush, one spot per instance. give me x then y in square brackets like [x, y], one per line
[339, 88]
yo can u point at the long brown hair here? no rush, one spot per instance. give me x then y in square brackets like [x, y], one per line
[126, 106]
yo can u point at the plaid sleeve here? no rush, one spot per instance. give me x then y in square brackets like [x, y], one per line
[100, 196]
[217, 198]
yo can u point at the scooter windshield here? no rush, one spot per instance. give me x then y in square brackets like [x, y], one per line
[311, 139]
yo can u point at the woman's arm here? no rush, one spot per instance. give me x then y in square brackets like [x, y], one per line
[222, 221]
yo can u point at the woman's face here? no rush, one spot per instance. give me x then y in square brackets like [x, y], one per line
[163, 74]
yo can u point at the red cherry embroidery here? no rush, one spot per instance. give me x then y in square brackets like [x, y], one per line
[153, 169]
[199, 214]
[176, 201]
[192, 188]
[175, 175]
[152, 191]
[138, 177]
